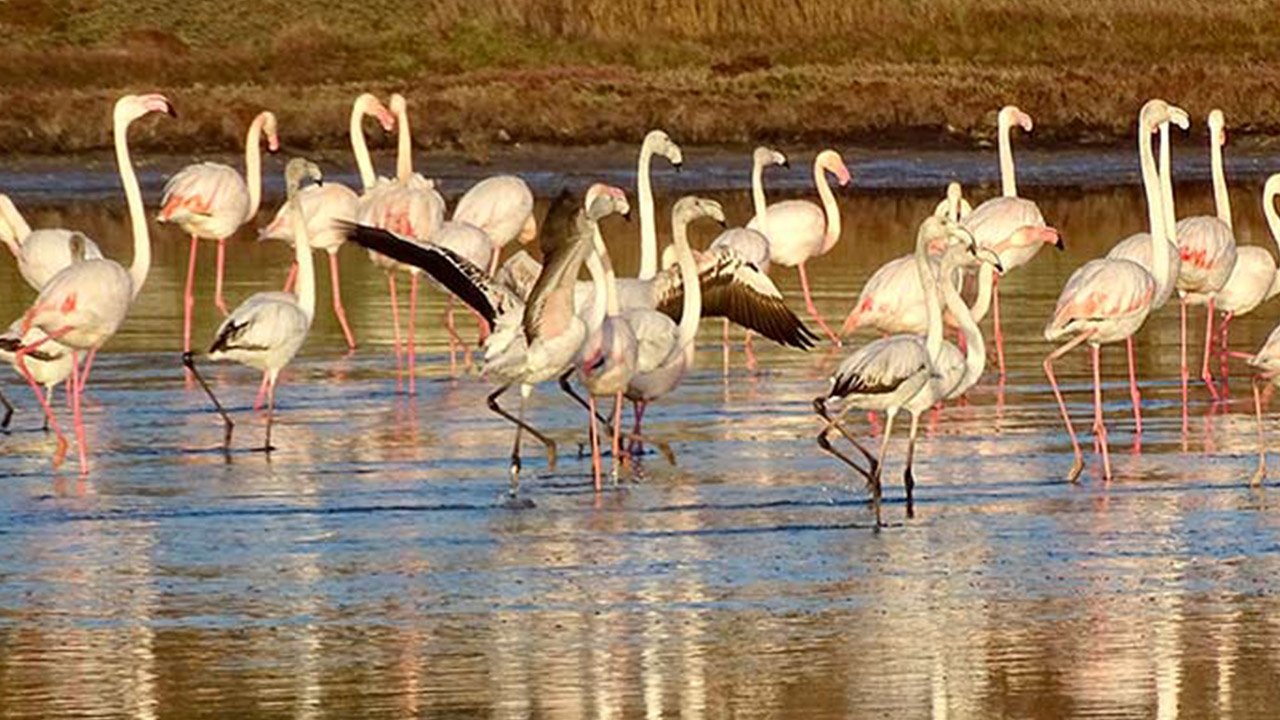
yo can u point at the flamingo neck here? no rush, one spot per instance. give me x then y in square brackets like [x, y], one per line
[1153, 183]
[691, 311]
[1221, 198]
[404, 147]
[1166, 185]
[137, 214]
[933, 311]
[1008, 181]
[303, 255]
[599, 287]
[829, 208]
[648, 229]
[17, 226]
[1273, 224]
[360, 148]
[975, 355]
[253, 166]
[757, 194]
[982, 301]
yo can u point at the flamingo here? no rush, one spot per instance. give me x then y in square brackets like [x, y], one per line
[323, 205]
[906, 371]
[412, 207]
[42, 253]
[50, 364]
[656, 142]
[501, 206]
[1108, 299]
[84, 304]
[799, 230]
[1011, 226]
[665, 350]
[211, 200]
[1208, 248]
[1266, 363]
[267, 329]
[1254, 280]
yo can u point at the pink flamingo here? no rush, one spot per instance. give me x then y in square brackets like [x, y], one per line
[501, 206]
[799, 230]
[42, 253]
[84, 304]
[1208, 248]
[1108, 299]
[323, 205]
[1011, 226]
[1254, 279]
[211, 200]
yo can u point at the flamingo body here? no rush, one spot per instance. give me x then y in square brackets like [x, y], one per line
[207, 200]
[44, 253]
[502, 207]
[796, 231]
[323, 207]
[1137, 248]
[1208, 250]
[1252, 281]
[1108, 298]
[1011, 227]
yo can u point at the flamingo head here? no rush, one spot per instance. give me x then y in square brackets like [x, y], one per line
[298, 170]
[399, 106]
[1011, 115]
[691, 207]
[370, 105]
[271, 129]
[831, 161]
[1217, 127]
[132, 107]
[764, 157]
[604, 200]
[1156, 112]
[659, 143]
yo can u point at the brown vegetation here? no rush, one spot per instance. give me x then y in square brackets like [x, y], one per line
[583, 71]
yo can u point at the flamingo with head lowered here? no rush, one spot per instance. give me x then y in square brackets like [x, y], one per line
[83, 305]
[800, 230]
[211, 200]
[42, 253]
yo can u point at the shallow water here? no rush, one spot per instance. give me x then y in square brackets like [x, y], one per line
[369, 568]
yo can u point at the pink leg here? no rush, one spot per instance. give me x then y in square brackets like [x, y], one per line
[1078, 465]
[395, 328]
[995, 321]
[616, 447]
[454, 340]
[21, 358]
[724, 347]
[413, 321]
[1100, 427]
[1134, 395]
[1205, 374]
[88, 365]
[482, 330]
[337, 302]
[636, 445]
[750, 350]
[217, 278]
[1185, 373]
[1223, 362]
[189, 298]
[596, 461]
[77, 383]
[813, 309]
[292, 278]
[67, 392]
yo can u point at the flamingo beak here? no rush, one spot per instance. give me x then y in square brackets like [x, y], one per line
[678, 166]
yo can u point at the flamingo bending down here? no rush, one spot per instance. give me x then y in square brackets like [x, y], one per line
[42, 253]
[1254, 280]
[50, 364]
[83, 305]
[799, 230]
[1108, 299]
[906, 371]
[1011, 226]
[211, 200]
[324, 205]
[267, 330]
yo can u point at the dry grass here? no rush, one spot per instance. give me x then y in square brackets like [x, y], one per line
[573, 71]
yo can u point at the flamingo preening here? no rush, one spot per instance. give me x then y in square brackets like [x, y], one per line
[84, 304]
[41, 253]
[211, 201]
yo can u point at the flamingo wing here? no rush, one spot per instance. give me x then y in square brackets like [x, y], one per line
[501, 206]
[264, 322]
[204, 192]
[880, 367]
[1101, 290]
[519, 273]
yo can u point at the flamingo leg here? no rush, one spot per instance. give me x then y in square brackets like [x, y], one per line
[1100, 427]
[8, 413]
[292, 278]
[1185, 373]
[21, 357]
[267, 447]
[1205, 374]
[395, 327]
[1223, 359]
[995, 321]
[637, 443]
[262, 392]
[525, 391]
[188, 297]
[189, 361]
[482, 331]
[908, 476]
[594, 431]
[217, 278]
[1134, 395]
[616, 446]
[890, 414]
[412, 329]
[49, 390]
[88, 365]
[1261, 473]
[813, 309]
[1078, 464]
[750, 350]
[567, 388]
[454, 339]
[337, 302]
[724, 347]
[820, 407]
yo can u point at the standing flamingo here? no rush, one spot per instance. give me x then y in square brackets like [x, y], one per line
[84, 304]
[1254, 279]
[1011, 226]
[501, 206]
[1208, 248]
[211, 200]
[656, 142]
[1108, 299]
[42, 253]
[906, 371]
[324, 205]
[799, 230]
[267, 330]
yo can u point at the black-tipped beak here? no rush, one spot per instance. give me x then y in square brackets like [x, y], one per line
[627, 216]
[786, 164]
[999, 267]
[1061, 245]
[723, 224]
[678, 166]
[173, 112]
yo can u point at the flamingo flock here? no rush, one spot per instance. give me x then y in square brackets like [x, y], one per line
[632, 339]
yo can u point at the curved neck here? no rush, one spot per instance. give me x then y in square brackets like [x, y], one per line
[137, 214]
[1221, 200]
[829, 207]
[757, 193]
[302, 254]
[18, 227]
[253, 166]
[1166, 184]
[599, 291]
[933, 311]
[1273, 224]
[982, 301]
[358, 146]
[975, 355]
[1008, 182]
[404, 147]
[1156, 184]
[648, 229]
[691, 311]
